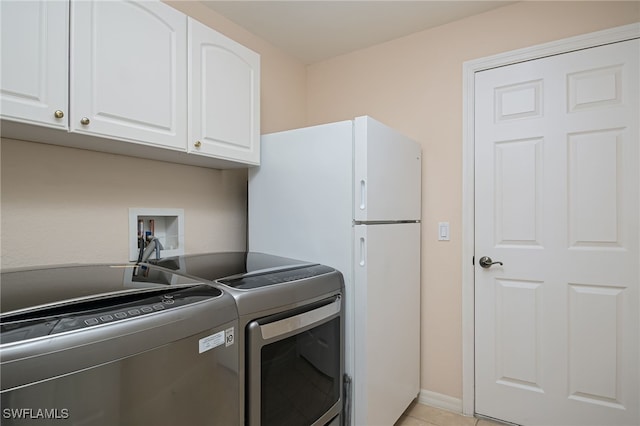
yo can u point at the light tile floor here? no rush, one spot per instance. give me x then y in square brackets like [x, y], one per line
[424, 415]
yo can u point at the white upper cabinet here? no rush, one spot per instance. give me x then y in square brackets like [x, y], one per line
[224, 83]
[135, 78]
[34, 83]
[128, 71]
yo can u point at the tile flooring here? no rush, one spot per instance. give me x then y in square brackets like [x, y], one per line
[424, 415]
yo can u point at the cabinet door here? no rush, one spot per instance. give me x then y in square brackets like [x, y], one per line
[34, 62]
[224, 84]
[128, 71]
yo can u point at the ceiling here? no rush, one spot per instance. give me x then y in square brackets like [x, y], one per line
[313, 31]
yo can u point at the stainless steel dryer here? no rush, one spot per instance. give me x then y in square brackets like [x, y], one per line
[291, 332]
[116, 345]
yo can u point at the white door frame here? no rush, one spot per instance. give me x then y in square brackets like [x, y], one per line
[468, 174]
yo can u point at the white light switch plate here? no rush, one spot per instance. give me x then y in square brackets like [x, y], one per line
[443, 231]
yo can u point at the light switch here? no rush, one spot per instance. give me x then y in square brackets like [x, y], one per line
[443, 231]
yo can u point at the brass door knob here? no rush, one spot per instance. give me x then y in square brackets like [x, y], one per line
[58, 114]
[84, 121]
[197, 144]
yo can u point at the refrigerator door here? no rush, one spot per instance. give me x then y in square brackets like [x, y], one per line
[387, 321]
[387, 173]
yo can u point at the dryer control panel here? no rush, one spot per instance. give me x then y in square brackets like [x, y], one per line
[255, 280]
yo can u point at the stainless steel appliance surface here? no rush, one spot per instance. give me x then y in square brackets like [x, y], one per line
[291, 332]
[116, 345]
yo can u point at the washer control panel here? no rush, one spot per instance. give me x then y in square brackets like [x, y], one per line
[123, 312]
[87, 313]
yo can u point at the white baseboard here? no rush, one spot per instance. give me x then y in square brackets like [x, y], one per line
[439, 400]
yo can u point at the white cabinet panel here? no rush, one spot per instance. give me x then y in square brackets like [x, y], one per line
[34, 82]
[224, 81]
[128, 71]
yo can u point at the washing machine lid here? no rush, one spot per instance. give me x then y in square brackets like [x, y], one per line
[51, 285]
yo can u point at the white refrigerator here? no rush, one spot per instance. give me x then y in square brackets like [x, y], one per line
[348, 195]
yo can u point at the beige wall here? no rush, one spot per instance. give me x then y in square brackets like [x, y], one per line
[415, 85]
[62, 205]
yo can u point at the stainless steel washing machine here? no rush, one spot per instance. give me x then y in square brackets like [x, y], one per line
[117, 345]
[291, 332]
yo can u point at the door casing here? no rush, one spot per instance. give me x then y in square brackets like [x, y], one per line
[585, 41]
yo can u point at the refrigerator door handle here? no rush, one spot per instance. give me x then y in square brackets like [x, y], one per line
[363, 193]
[363, 254]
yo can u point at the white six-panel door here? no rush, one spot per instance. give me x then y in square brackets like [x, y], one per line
[557, 195]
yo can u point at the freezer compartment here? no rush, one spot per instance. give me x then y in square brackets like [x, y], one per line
[387, 173]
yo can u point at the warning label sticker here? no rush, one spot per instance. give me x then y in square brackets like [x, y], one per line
[210, 342]
[226, 338]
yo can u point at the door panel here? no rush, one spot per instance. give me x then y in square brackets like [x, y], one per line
[517, 333]
[557, 195]
[518, 166]
[603, 385]
[594, 188]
